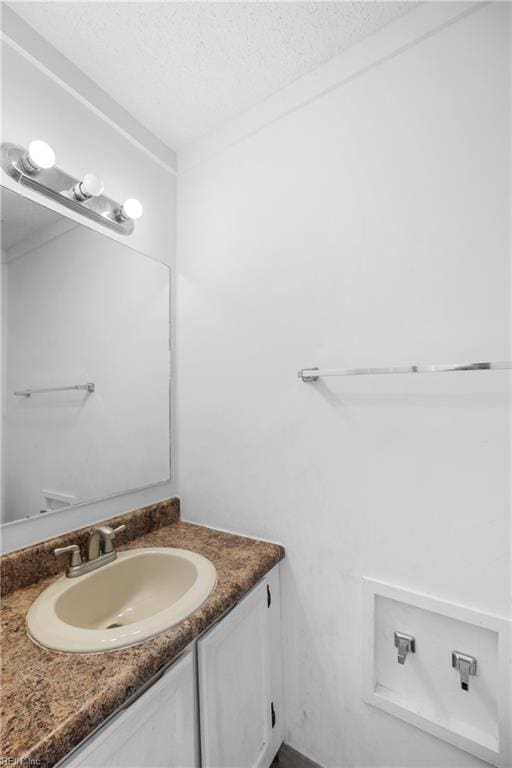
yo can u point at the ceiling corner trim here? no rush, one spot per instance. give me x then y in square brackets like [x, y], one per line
[399, 35]
[20, 36]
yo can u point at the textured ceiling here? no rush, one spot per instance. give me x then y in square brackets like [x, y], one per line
[183, 69]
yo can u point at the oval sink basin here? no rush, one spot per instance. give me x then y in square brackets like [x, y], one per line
[141, 593]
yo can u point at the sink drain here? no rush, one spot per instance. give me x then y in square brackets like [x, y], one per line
[113, 626]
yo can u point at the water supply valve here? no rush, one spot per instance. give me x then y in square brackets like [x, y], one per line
[405, 644]
[466, 666]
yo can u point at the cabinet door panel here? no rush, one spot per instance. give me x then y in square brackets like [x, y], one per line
[159, 730]
[235, 687]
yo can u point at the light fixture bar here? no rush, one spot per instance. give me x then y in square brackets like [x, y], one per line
[59, 186]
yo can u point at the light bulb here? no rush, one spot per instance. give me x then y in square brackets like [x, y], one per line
[131, 209]
[40, 155]
[90, 186]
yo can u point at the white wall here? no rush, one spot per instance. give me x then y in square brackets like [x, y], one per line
[38, 103]
[369, 227]
[82, 307]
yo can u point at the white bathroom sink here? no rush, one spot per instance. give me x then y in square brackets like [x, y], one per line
[141, 593]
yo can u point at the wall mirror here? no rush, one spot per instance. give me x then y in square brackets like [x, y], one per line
[85, 363]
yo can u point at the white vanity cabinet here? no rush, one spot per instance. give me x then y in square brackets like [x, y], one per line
[159, 730]
[235, 668]
[240, 682]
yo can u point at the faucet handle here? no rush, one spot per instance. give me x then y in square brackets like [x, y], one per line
[108, 535]
[76, 557]
[120, 528]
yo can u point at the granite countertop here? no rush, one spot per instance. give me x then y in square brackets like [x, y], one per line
[52, 700]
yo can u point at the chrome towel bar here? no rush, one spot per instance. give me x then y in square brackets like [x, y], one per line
[89, 386]
[313, 374]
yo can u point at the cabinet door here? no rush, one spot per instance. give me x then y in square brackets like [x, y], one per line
[159, 730]
[238, 716]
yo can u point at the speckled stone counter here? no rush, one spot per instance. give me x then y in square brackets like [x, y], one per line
[50, 700]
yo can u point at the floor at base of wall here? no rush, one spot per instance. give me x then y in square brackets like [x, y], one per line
[290, 758]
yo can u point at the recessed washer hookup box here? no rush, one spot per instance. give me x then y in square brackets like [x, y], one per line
[439, 666]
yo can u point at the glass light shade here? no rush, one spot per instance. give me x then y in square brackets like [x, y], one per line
[91, 185]
[40, 155]
[132, 209]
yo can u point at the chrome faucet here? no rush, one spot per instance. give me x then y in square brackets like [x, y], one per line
[100, 551]
[106, 534]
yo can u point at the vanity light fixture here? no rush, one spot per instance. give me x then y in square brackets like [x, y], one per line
[35, 168]
[39, 156]
[130, 209]
[90, 186]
